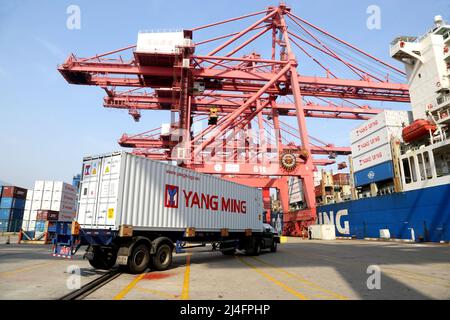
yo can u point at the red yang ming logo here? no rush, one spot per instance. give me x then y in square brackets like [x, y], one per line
[171, 196]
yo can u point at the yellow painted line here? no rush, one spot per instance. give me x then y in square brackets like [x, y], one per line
[302, 280]
[7, 273]
[187, 274]
[128, 288]
[159, 293]
[272, 279]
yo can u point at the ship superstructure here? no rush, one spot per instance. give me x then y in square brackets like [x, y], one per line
[400, 163]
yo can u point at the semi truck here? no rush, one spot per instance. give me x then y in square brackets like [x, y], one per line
[135, 212]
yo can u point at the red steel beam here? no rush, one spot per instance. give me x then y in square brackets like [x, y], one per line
[147, 143]
[81, 73]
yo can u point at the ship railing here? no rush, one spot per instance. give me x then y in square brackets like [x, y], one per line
[442, 99]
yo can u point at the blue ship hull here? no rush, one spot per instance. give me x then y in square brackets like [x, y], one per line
[425, 211]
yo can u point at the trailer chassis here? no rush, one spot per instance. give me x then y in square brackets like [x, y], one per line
[141, 249]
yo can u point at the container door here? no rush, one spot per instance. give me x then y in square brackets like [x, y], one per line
[109, 190]
[88, 193]
[99, 192]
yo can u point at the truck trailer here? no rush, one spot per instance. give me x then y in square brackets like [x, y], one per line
[135, 212]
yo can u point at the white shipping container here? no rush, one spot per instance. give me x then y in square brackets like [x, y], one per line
[30, 195]
[62, 206]
[387, 118]
[151, 195]
[46, 205]
[385, 234]
[372, 158]
[322, 231]
[48, 185]
[161, 42]
[66, 196]
[36, 205]
[29, 220]
[38, 195]
[28, 204]
[375, 140]
[26, 214]
[39, 185]
[48, 195]
[60, 186]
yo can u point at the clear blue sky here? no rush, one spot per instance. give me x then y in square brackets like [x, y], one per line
[47, 126]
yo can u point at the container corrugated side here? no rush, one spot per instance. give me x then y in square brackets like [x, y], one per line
[15, 203]
[387, 118]
[14, 192]
[133, 190]
[375, 140]
[372, 158]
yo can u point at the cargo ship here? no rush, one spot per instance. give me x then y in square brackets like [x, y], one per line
[400, 162]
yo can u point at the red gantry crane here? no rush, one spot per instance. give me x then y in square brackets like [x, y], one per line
[226, 106]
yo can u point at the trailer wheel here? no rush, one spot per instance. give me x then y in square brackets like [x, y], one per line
[273, 247]
[139, 259]
[162, 259]
[103, 260]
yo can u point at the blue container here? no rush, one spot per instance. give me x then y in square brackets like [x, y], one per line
[11, 220]
[40, 226]
[4, 214]
[4, 224]
[16, 214]
[14, 225]
[7, 203]
[76, 182]
[380, 172]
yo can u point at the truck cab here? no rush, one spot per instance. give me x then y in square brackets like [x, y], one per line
[270, 238]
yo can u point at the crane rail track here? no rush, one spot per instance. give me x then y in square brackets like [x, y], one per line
[92, 286]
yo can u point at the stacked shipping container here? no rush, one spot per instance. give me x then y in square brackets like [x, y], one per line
[371, 149]
[49, 200]
[12, 204]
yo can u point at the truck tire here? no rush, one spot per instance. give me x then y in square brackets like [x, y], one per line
[103, 260]
[99, 264]
[254, 249]
[273, 247]
[257, 248]
[139, 259]
[162, 259]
